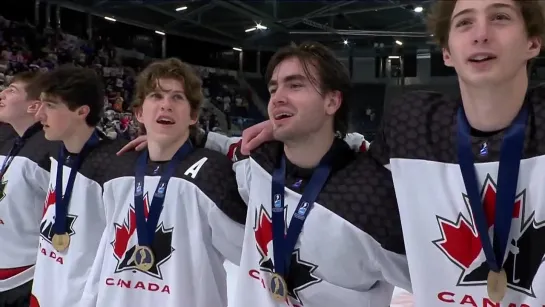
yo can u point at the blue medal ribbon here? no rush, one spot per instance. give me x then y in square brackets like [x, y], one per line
[510, 155]
[62, 201]
[284, 242]
[145, 228]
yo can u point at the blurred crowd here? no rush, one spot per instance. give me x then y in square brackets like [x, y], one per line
[24, 47]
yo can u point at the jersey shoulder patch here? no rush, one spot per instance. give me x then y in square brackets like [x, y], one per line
[363, 194]
[413, 120]
[206, 168]
[101, 164]
[267, 154]
[6, 132]
[359, 190]
[36, 148]
[213, 175]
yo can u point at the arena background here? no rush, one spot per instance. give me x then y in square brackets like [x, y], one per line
[384, 44]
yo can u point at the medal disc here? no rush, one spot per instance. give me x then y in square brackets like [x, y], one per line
[279, 288]
[61, 241]
[496, 285]
[144, 258]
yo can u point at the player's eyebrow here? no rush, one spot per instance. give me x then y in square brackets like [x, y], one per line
[289, 78]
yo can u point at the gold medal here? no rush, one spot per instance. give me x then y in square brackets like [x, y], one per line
[144, 258]
[61, 241]
[279, 287]
[496, 285]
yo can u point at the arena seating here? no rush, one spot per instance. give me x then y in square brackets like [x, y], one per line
[23, 47]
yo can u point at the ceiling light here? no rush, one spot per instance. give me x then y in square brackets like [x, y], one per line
[237, 49]
[160, 33]
[250, 29]
[399, 43]
[181, 8]
[418, 9]
[110, 19]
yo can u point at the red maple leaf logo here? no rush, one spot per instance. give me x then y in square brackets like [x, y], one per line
[263, 232]
[460, 240]
[49, 200]
[123, 233]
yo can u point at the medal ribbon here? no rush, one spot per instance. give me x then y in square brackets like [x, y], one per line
[62, 201]
[146, 228]
[284, 242]
[17, 146]
[510, 156]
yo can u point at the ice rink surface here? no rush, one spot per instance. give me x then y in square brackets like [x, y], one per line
[401, 298]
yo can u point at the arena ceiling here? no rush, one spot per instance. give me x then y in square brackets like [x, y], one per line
[363, 24]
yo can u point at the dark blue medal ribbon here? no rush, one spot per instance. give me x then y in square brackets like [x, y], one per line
[11, 155]
[510, 156]
[17, 146]
[62, 200]
[145, 228]
[284, 242]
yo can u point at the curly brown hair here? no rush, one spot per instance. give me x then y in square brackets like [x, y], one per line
[441, 12]
[171, 68]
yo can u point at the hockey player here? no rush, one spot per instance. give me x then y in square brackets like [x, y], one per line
[465, 169]
[350, 249]
[467, 184]
[73, 215]
[308, 179]
[24, 174]
[167, 236]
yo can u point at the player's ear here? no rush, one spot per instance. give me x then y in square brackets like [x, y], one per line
[34, 107]
[83, 111]
[333, 102]
[138, 114]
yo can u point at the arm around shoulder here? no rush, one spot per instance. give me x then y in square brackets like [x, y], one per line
[356, 141]
[226, 209]
[222, 143]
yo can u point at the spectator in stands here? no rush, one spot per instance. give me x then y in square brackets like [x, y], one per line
[24, 47]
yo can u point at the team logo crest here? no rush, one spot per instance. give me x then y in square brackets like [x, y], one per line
[124, 250]
[3, 185]
[277, 202]
[483, 151]
[46, 226]
[301, 272]
[461, 244]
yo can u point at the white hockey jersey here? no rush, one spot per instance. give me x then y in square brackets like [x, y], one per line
[447, 264]
[22, 191]
[193, 238]
[60, 277]
[350, 251]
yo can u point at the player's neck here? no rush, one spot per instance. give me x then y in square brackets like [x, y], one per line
[21, 125]
[165, 151]
[495, 107]
[308, 152]
[75, 142]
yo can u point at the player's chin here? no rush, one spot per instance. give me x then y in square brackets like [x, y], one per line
[484, 78]
[282, 133]
[50, 136]
[166, 137]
